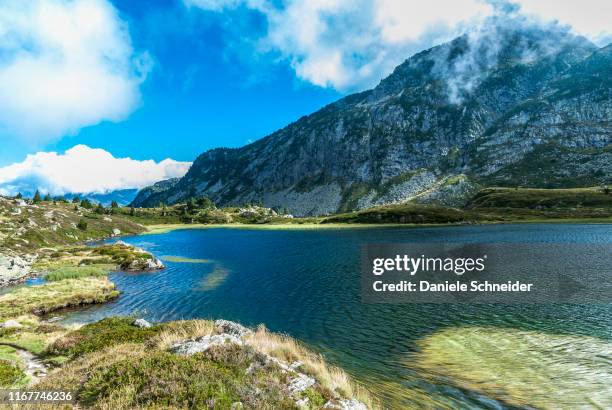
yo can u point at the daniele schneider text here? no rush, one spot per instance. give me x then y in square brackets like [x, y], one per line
[457, 266]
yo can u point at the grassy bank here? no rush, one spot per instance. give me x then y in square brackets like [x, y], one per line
[113, 364]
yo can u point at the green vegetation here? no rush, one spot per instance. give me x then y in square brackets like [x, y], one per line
[114, 364]
[100, 335]
[10, 375]
[409, 213]
[541, 199]
[75, 272]
[55, 295]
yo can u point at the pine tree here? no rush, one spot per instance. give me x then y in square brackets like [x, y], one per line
[114, 204]
[18, 196]
[36, 198]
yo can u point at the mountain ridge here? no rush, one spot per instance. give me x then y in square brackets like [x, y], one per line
[448, 119]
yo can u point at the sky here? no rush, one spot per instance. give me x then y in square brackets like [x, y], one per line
[143, 87]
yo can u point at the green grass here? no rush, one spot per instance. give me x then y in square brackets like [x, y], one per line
[97, 336]
[11, 376]
[532, 198]
[55, 295]
[75, 272]
[405, 214]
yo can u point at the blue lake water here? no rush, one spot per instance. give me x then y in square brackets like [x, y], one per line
[306, 283]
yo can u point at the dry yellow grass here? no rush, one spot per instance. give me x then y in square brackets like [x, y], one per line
[289, 350]
[181, 330]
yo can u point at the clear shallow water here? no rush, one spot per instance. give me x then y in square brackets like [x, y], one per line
[306, 283]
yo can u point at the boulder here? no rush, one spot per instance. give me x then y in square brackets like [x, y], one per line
[232, 328]
[141, 323]
[10, 324]
[202, 344]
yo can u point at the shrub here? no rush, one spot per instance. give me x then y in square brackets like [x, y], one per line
[82, 225]
[97, 336]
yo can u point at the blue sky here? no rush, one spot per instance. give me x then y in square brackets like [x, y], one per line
[125, 80]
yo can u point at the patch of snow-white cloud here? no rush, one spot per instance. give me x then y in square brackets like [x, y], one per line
[64, 65]
[82, 169]
[352, 44]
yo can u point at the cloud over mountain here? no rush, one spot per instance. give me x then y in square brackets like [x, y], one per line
[82, 169]
[352, 44]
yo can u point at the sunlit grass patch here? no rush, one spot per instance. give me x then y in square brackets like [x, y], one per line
[179, 330]
[97, 336]
[75, 272]
[521, 368]
[11, 376]
[56, 295]
[289, 350]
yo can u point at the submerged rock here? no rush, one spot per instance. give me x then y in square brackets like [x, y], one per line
[353, 404]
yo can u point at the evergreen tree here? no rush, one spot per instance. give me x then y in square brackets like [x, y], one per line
[82, 225]
[76, 200]
[86, 203]
[132, 211]
[100, 209]
[18, 196]
[114, 204]
[36, 198]
[47, 198]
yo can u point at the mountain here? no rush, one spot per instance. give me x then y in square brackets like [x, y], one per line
[154, 194]
[505, 105]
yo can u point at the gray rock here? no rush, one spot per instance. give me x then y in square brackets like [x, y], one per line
[232, 328]
[202, 344]
[11, 324]
[300, 382]
[141, 323]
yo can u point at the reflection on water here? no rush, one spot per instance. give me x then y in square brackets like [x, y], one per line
[306, 283]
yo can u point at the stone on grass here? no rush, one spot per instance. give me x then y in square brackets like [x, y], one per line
[232, 328]
[202, 344]
[141, 323]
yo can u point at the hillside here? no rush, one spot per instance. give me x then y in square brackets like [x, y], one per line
[524, 106]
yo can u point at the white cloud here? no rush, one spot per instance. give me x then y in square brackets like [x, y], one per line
[352, 44]
[82, 169]
[590, 18]
[64, 65]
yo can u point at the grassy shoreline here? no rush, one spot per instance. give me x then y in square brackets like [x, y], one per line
[165, 228]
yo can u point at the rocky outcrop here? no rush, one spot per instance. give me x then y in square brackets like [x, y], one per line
[149, 194]
[231, 333]
[14, 269]
[515, 105]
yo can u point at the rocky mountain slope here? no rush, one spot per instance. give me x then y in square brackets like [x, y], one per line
[149, 194]
[505, 105]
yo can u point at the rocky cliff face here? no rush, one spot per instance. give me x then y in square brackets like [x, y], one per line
[150, 194]
[506, 106]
